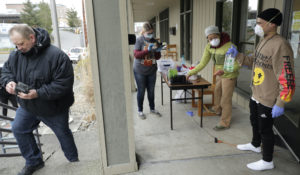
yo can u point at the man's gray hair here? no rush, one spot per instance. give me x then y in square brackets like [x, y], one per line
[22, 29]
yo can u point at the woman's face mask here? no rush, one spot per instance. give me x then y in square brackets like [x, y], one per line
[215, 42]
[259, 31]
[148, 35]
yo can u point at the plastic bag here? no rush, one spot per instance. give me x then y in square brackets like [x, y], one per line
[164, 65]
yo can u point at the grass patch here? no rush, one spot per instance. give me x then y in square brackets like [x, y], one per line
[6, 49]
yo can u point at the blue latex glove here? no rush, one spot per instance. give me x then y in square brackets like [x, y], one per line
[277, 111]
[150, 46]
[158, 49]
[232, 50]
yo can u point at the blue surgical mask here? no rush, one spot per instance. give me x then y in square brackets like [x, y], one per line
[148, 36]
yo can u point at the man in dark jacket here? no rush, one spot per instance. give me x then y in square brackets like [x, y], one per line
[48, 72]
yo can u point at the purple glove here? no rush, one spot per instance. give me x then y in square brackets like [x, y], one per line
[277, 111]
[158, 49]
[232, 50]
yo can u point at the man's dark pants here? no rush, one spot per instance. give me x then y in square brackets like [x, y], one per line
[23, 126]
[262, 128]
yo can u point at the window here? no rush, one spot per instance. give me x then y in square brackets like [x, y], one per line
[292, 109]
[247, 40]
[227, 17]
[186, 29]
[164, 26]
[153, 23]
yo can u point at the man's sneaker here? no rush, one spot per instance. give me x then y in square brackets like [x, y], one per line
[220, 128]
[29, 170]
[261, 165]
[248, 147]
[142, 115]
[155, 112]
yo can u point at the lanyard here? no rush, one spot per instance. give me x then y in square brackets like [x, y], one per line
[258, 51]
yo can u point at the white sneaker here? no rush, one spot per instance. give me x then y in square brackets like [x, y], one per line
[248, 147]
[155, 112]
[261, 165]
[142, 115]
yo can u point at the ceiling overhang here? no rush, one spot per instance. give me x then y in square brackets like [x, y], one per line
[144, 10]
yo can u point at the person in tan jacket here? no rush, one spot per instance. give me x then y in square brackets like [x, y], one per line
[273, 84]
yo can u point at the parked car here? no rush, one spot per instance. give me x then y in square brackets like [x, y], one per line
[77, 53]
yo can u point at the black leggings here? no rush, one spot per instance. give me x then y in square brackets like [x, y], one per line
[262, 128]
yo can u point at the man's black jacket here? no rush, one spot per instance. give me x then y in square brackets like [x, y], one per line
[45, 68]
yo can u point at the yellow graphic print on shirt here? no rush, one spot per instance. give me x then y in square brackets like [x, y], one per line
[258, 77]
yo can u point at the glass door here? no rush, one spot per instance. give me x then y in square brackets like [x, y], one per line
[289, 124]
[186, 29]
[164, 26]
[247, 40]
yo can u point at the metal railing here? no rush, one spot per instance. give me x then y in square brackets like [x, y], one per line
[8, 142]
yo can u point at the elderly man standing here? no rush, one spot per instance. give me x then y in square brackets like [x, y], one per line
[48, 72]
[273, 85]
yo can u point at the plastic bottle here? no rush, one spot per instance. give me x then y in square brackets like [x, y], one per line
[229, 63]
[182, 60]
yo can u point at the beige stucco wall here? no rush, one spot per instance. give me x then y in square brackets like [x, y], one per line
[273, 4]
[204, 14]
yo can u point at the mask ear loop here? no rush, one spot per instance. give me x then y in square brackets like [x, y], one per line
[273, 17]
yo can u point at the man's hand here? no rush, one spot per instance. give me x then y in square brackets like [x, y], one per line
[219, 72]
[277, 111]
[187, 77]
[31, 95]
[10, 87]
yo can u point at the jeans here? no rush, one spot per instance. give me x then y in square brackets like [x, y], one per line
[262, 129]
[145, 82]
[25, 122]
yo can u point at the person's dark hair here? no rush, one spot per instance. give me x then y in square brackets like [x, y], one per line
[272, 15]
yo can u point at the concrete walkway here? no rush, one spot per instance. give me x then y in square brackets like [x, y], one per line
[191, 150]
[187, 150]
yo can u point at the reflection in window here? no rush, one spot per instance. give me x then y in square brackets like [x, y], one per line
[292, 108]
[247, 41]
[227, 17]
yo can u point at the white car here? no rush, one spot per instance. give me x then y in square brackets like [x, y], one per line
[77, 53]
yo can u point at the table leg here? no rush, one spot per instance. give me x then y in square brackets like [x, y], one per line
[184, 95]
[171, 110]
[199, 104]
[162, 91]
[193, 100]
[201, 108]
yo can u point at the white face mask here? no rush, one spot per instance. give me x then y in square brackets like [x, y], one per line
[215, 42]
[259, 31]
